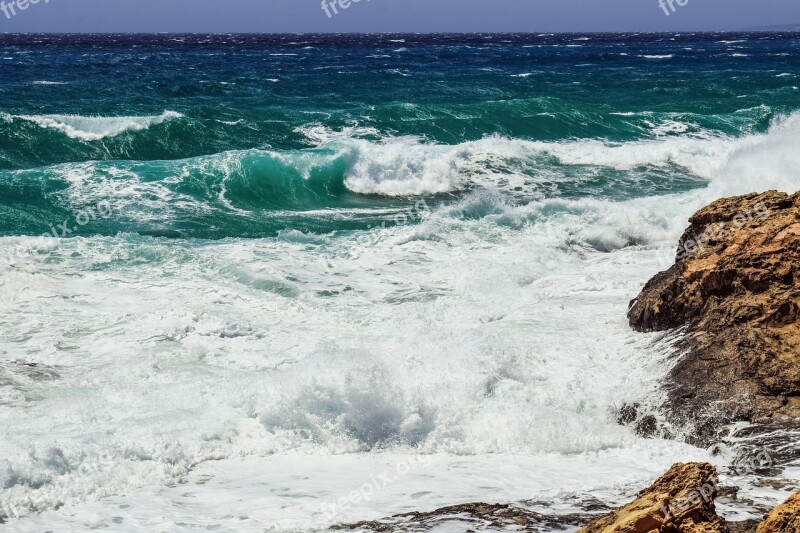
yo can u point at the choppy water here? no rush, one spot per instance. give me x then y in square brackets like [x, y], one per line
[286, 264]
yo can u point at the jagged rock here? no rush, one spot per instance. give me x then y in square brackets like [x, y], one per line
[645, 424]
[470, 517]
[680, 501]
[735, 287]
[783, 519]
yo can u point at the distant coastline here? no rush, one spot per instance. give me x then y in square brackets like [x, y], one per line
[782, 27]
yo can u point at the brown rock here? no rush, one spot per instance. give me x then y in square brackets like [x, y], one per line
[735, 287]
[783, 519]
[680, 501]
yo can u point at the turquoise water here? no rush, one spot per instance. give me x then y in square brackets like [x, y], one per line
[251, 133]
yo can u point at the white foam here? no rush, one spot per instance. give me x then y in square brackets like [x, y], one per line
[409, 166]
[272, 346]
[95, 128]
[494, 342]
[319, 134]
[670, 127]
[762, 162]
[291, 358]
[299, 492]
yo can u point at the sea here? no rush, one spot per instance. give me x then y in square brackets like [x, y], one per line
[282, 282]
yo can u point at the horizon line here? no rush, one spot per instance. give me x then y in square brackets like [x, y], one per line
[760, 29]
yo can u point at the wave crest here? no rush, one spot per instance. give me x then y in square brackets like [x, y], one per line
[96, 128]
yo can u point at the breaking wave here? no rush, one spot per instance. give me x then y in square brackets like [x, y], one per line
[96, 128]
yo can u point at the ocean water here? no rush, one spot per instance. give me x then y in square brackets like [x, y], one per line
[243, 278]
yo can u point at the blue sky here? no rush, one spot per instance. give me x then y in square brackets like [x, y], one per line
[394, 15]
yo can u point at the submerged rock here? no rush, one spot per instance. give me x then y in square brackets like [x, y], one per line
[680, 501]
[735, 287]
[470, 517]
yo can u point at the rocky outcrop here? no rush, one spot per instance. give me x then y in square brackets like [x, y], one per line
[680, 501]
[735, 288]
[783, 519]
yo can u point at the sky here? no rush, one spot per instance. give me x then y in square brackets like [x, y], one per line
[268, 16]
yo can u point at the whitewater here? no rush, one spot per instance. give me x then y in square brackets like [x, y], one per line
[429, 298]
